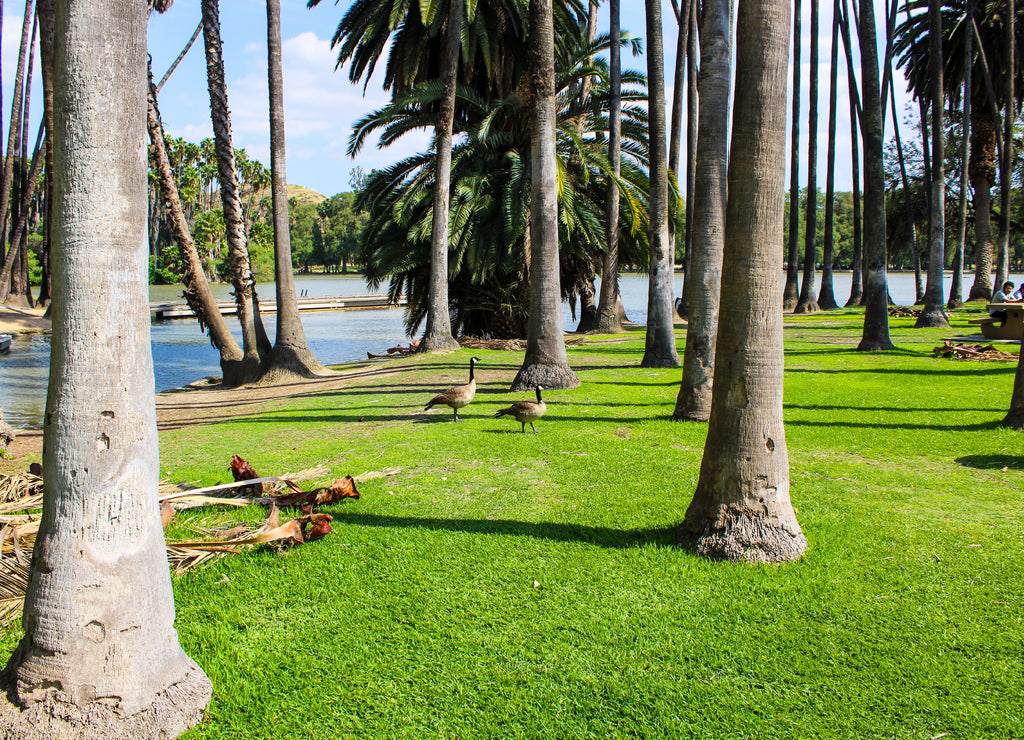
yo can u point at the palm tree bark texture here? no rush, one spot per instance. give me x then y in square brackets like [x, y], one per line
[693, 402]
[546, 362]
[100, 656]
[660, 344]
[741, 508]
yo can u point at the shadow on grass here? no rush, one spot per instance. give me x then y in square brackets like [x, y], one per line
[992, 462]
[986, 426]
[600, 536]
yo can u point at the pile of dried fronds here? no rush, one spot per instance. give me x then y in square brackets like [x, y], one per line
[510, 345]
[979, 352]
[21, 498]
[904, 312]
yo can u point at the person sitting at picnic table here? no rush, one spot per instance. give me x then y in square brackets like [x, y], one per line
[1006, 295]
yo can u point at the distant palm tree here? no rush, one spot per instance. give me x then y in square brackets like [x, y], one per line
[608, 318]
[660, 344]
[807, 302]
[741, 508]
[791, 291]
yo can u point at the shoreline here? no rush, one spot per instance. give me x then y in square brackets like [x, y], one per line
[17, 320]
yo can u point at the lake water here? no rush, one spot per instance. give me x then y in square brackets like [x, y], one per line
[181, 354]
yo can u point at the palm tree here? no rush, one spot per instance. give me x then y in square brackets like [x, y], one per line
[826, 294]
[438, 335]
[791, 291]
[693, 402]
[1005, 166]
[240, 272]
[991, 74]
[546, 362]
[608, 318]
[291, 355]
[956, 298]
[100, 656]
[741, 508]
[857, 278]
[660, 344]
[876, 294]
[807, 303]
[934, 313]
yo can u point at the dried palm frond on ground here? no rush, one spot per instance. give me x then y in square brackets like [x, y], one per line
[14, 488]
[904, 312]
[510, 345]
[979, 352]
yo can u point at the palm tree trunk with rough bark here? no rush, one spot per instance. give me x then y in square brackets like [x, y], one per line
[240, 270]
[608, 320]
[546, 362]
[934, 313]
[100, 656]
[291, 356]
[875, 336]
[826, 294]
[693, 403]
[807, 302]
[857, 277]
[438, 334]
[1006, 162]
[956, 297]
[660, 345]
[741, 508]
[982, 171]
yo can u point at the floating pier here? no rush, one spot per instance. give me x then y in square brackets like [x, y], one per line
[180, 310]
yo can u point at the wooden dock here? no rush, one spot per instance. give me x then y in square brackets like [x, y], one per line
[180, 310]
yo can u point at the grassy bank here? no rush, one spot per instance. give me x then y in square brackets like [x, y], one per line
[527, 586]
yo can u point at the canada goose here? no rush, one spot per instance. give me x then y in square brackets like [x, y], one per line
[526, 411]
[458, 395]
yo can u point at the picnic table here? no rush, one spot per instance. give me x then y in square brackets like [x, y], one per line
[1012, 328]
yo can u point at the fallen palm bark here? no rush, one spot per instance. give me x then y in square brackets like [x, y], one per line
[979, 352]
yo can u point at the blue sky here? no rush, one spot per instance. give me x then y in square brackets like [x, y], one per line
[320, 103]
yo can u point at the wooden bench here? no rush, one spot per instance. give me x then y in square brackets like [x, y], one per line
[1012, 328]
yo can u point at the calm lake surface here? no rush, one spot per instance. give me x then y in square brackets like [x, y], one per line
[181, 354]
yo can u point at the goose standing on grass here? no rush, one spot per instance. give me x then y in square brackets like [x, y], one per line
[457, 396]
[526, 411]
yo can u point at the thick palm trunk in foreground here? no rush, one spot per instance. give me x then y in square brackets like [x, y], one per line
[546, 362]
[100, 657]
[741, 508]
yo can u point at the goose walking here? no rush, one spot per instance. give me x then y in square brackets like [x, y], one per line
[526, 411]
[458, 396]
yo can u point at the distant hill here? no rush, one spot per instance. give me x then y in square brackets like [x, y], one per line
[303, 194]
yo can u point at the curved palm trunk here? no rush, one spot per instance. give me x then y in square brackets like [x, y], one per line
[438, 335]
[197, 290]
[291, 355]
[807, 303]
[660, 345]
[791, 292]
[857, 277]
[248, 368]
[693, 402]
[608, 317]
[934, 313]
[741, 508]
[827, 296]
[876, 294]
[100, 656]
[546, 362]
[45, 13]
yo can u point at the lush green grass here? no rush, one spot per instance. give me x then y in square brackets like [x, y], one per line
[527, 586]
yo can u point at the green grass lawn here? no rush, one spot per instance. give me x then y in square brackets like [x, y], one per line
[507, 585]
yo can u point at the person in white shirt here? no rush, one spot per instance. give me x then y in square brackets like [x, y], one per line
[1006, 295]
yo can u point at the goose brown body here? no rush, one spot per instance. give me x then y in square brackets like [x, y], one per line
[458, 396]
[526, 412]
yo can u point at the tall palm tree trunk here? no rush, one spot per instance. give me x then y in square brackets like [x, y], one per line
[981, 170]
[693, 402]
[100, 656]
[240, 271]
[546, 362]
[857, 277]
[741, 508]
[934, 313]
[1006, 161]
[807, 303]
[291, 355]
[45, 12]
[660, 345]
[956, 297]
[608, 320]
[826, 295]
[438, 335]
[675, 136]
[791, 291]
[876, 300]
